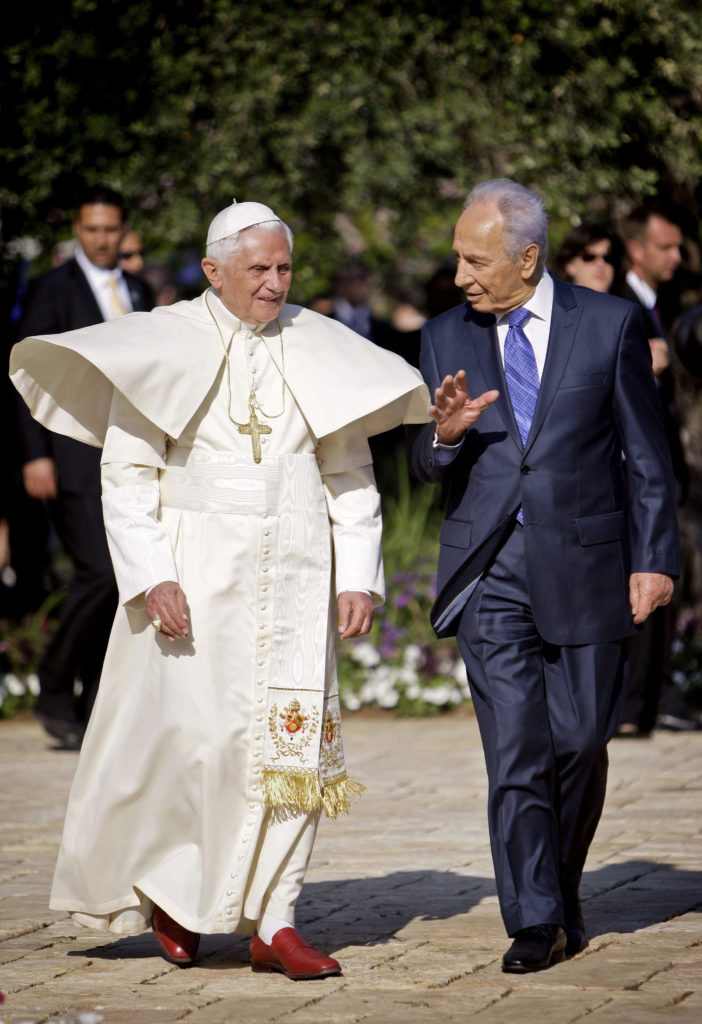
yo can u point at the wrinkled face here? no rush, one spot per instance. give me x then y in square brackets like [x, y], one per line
[98, 228]
[592, 269]
[253, 284]
[492, 281]
[658, 256]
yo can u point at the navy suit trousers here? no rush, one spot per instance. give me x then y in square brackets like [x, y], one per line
[545, 715]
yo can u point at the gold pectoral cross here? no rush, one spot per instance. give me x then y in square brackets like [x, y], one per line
[254, 428]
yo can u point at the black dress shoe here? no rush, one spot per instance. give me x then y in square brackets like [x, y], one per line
[68, 731]
[535, 948]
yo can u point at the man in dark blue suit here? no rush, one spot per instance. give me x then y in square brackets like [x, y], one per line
[560, 538]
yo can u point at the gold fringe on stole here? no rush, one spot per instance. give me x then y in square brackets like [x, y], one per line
[302, 791]
[337, 796]
[299, 790]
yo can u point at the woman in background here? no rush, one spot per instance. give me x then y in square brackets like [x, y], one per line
[591, 256]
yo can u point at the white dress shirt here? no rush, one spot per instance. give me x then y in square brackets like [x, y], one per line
[537, 326]
[99, 280]
[643, 291]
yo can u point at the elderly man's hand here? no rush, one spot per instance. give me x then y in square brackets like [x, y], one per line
[168, 603]
[39, 478]
[355, 613]
[454, 410]
[648, 590]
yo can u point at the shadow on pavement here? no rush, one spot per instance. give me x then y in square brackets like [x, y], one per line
[347, 912]
[621, 897]
[624, 897]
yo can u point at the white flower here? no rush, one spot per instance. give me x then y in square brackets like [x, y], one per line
[413, 656]
[366, 694]
[438, 695]
[365, 654]
[389, 699]
[350, 700]
[32, 682]
[15, 686]
[459, 674]
[407, 676]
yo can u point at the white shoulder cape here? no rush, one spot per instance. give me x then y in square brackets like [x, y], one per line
[166, 361]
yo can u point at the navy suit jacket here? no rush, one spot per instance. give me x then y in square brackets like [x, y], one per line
[591, 516]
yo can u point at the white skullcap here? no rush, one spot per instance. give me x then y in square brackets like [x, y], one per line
[237, 217]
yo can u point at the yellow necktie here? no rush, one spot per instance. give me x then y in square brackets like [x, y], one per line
[117, 306]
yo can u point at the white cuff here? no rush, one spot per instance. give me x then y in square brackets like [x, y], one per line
[436, 443]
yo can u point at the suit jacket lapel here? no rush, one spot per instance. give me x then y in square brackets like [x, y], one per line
[483, 335]
[565, 317]
[86, 292]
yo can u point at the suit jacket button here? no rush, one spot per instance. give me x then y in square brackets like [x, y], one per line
[526, 469]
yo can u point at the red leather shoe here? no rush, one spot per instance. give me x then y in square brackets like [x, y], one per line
[178, 945]
[290, 954]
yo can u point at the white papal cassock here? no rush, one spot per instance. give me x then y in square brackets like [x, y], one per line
[208, 760]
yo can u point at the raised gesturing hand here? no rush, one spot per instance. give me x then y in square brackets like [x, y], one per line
[454, 410]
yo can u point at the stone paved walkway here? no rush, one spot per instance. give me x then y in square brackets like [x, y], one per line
[401, 892]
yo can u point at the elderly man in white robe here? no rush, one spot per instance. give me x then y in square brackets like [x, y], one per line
[239, 499]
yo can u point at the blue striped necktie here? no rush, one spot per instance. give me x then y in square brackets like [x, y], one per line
[521, 375]
[520, 371]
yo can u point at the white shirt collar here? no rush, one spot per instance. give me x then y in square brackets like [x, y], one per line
[97, 276]
[643, 291]
[541, 302]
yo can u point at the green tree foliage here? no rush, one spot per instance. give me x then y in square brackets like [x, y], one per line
[364, 122]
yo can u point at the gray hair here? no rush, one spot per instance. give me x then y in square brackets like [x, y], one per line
[224, 248]
[523, 213]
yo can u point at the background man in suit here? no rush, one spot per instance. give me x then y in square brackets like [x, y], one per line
[86, 290]
[653, 244]
[548, 558]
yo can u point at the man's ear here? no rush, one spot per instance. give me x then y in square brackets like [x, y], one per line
[530, 257]
[634, 250]
[210, 269]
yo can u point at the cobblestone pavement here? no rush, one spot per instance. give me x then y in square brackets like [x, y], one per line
[401, 892]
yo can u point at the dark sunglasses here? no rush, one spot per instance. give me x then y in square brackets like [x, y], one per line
[128, 255]
[590, 257]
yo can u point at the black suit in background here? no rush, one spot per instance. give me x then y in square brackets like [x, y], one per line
[62, 300]
[651, 691]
